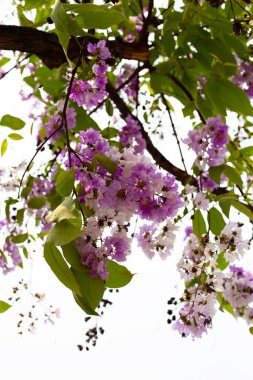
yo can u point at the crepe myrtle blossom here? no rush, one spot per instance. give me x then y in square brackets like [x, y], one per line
[130, 135]
[230, 240]
[209, 144]
[238, 287]
[132, 87]
[196, 313]
[9, 257]
[91, 93]
[55, 122]
[136, 188]
[244, 77]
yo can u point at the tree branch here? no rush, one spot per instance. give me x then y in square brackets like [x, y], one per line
[47, 47]
[179, 174]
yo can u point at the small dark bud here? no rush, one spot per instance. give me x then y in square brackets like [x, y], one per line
[237, 27]
[80, 347]
[215, 3]
[49, 20]
[110, 61]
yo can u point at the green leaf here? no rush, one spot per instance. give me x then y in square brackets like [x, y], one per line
[232, 174]
[91, 288]
[8, 203]
[198, 224]
[4, 147]
[36, 202]
[73, 258]
[119, 275]
[91, 16]
[109, 133]
[225, 205]
[106, 162]
[216, 221]
[83, 120]
[20, 216]
[84, 305]
[215, 173]
[224, 94]
[243, 208]
[251, 329]
[66, 210]
[247, 152]
[222, 263]
[15, 136]
[63, 22]
[65, 182]
[224, 304]
[63, 233]
[19, 238]
[4, 306]
[12, 122]
[58, 265]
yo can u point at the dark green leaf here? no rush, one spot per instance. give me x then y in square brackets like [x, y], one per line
[19, 238]
[225, 205]
[232, 174]
[215, 173]
[92, 288]
[224, 94]
[198, 224]
[119, 275]
[251, 329]
[73, 258]
[36, 202]
[243, 208]
[216, 221]
[58, 265]
[106, 162]
[12, 122]
[84, 305]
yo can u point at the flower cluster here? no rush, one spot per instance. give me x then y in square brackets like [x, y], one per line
[200, 268]
[91, 94]
[132, 87]
[130, 135]
[136, 187]
[244, 77]
[209, 143]
[9, 255]
[54, 123]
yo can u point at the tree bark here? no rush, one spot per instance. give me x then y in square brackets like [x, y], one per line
[47, 47]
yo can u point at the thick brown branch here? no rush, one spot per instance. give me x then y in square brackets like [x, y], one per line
[47, 47]
[160, 160]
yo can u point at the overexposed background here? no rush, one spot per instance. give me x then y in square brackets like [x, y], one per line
[137, 344]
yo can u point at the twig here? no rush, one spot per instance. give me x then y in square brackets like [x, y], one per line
[174, 130]
[15, 66]
[128, 80]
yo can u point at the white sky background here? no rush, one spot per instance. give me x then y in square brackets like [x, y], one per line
[137, 344]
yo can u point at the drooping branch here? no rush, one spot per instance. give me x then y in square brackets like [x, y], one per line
[160, 160]
[47, 47]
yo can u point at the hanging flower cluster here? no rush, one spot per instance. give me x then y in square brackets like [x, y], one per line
[134, 187]
[209, 143]
[130, 135]
[244, 77]
[201, 266]
[88, 94]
